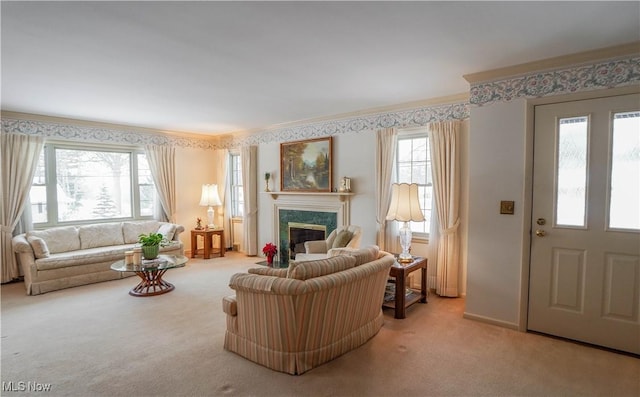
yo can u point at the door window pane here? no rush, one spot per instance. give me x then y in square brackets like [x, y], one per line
[624, 202]
[571, 188]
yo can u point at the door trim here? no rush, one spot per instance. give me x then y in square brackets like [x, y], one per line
[528, 183]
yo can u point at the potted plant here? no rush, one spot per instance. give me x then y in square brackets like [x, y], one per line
[151, 243]
[270, 250]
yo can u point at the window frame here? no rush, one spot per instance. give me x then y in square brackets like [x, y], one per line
[234, 174]
[407, 134]
[52, 208]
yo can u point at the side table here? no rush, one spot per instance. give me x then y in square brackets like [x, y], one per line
[207, 235]
[404, 299]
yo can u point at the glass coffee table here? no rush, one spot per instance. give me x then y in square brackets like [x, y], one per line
[150, 273]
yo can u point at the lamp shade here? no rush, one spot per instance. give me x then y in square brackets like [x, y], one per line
[210, 195]
[405, 204]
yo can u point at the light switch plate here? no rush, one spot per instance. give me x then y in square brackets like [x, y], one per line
[507, 207]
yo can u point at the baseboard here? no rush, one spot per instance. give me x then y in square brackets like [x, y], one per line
[491, 321]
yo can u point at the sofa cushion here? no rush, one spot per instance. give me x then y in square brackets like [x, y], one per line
[39, 247]
[100, 235]
[132, 230]
[362, 255]
[321, 267]
[268, 271]
[168, 230]
[58, 239]
[342, 239]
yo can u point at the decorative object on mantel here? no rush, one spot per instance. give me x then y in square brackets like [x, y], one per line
[345, 185]
[405, 207]
[267, 176]
[199, 224]
[270, 250]
[306, 165]
[210, 198]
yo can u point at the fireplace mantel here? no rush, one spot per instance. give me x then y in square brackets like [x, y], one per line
[339, 195]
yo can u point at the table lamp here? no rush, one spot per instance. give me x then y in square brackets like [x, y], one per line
[210, 198]
[405, 207]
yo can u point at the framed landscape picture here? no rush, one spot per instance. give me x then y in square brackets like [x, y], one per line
[306, 165]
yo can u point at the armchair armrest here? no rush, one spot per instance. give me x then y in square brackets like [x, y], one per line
[179, 229]
[269, 285]
[315, 247]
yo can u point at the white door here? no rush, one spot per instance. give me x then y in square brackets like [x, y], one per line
[585, 249]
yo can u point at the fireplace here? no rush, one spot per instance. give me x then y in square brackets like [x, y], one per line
[299, 233]
[317, 213]
[306, 226]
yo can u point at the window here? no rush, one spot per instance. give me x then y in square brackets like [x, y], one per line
[78, 183]
[413, 165]
[237, 197]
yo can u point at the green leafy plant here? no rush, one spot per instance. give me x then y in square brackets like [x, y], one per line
[151, 239]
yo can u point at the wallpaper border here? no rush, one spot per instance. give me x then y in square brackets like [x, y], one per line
[594, 76]
[399, 119]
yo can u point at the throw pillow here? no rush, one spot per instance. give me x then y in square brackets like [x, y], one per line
[168, 230]
[39, 246]
[322, 267]
[342, 239]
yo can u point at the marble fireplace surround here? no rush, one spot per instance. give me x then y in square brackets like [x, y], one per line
[328, 209]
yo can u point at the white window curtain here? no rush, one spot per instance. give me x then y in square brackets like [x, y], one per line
[385, 159]
[225, 196]
[249, 158]
[19, 159]
[445, 160]
[221, 176]
[163, 170]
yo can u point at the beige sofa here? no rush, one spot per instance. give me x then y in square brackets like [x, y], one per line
[68, 256]
[292, 320]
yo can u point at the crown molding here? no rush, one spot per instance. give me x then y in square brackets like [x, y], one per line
[620, 51]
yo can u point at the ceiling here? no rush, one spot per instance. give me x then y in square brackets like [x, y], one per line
[222, 67]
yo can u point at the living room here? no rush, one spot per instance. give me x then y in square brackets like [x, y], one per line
[493, 287]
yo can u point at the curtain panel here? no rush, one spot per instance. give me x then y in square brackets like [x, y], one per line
[386, 143]
[249, 158]
[445, 159]
[162, 162]
[19, 159]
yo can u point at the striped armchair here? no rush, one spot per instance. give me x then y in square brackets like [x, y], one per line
[292, 320]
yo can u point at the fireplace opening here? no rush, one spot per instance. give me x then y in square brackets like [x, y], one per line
[299, 233]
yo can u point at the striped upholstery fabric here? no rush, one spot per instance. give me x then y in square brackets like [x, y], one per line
[319, 267]
[362, 255]
[293, 325]
[268, 271]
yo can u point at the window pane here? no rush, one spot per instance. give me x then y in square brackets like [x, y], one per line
[38, 192]
[624, 207]
[413, 165]
[572, 171]
[146, 188]
[93, 184]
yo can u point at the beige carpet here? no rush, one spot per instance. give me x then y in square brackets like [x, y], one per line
[96, 340]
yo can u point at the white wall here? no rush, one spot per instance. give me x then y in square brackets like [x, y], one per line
[497, 171]
[194, 167]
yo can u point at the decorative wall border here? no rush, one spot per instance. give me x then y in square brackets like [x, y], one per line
[595, 76]
[398, 119]
[76, 133]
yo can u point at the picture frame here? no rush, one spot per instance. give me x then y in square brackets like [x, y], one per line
[306, 166]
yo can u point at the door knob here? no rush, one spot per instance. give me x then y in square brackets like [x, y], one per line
[540, 233]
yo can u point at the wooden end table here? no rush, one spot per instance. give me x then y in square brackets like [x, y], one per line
[207, 235]
[400, 271]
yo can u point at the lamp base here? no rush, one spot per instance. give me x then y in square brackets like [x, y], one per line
[405, 259]
[405, 243]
